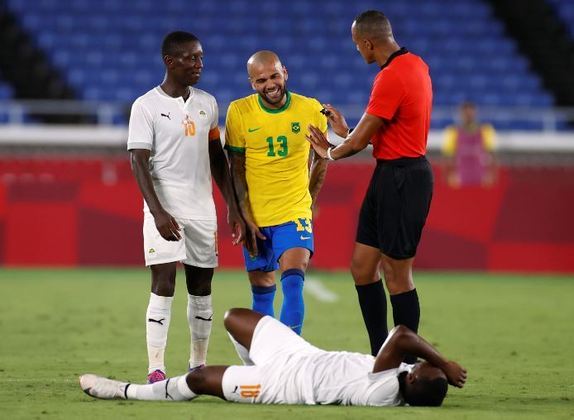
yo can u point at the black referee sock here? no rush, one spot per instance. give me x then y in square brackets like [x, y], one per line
[407, 312]
[373, 303]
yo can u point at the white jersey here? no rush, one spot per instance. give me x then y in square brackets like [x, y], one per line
[177, 133]
[347, 379]
[283, 368]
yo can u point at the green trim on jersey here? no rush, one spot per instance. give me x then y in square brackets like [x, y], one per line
[272, 110]
[235, 149]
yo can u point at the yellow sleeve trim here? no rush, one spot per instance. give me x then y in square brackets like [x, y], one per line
[449, 142]
[488, 137]
[235, 149]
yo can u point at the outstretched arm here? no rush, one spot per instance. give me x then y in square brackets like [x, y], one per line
[336, 120]
[220, 172]
[356, 141]
[165, 222]
[402, 341]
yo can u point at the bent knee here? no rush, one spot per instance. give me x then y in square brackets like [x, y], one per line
[299, 265]
[231, 316]
[400, 329]
[196, 380]
[362, 274]
[296, 258]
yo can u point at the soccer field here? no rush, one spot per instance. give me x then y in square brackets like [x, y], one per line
[514, 334]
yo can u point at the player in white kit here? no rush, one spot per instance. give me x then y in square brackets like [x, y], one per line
[282, 368]
[175, 149]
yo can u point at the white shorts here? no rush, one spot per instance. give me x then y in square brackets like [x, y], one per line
[197, 246]
[279, 372]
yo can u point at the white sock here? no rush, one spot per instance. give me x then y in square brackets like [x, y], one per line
[157, 319]
[199, 318]
[242, 352]
[173, 389]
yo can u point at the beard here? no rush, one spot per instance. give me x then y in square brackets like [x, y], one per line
[275, 97]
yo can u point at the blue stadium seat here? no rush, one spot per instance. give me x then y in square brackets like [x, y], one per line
[5, 91]
[110, 50]
[565, 10]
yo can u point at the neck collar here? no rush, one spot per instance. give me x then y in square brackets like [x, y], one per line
[275, 110]
[401, 51]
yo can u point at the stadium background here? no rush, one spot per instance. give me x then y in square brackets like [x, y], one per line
[69, 71]
[84, 62]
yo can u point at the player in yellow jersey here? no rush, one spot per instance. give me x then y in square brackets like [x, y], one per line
[277, 179]
[469, 148]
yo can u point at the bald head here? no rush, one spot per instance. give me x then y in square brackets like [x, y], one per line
[373, 25]
[268, 77]
[261, 59]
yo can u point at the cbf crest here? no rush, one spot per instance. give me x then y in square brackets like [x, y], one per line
[295, 127]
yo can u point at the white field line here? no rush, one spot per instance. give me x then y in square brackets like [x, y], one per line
[317, 289]
[37, 381]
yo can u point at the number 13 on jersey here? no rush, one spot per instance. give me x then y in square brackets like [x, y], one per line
[277, 147]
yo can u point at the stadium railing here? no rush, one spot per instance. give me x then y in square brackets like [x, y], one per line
[535, 129]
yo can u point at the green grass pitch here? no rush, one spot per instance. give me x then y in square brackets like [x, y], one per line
[514, 334]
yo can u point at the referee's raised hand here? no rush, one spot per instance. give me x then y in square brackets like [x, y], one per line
[336, 120]
[318, 141]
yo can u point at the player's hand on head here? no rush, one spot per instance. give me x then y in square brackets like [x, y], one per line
[167, 226]
[455, 373]
[336, 120]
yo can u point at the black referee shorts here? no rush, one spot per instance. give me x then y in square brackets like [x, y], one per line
[396, 206]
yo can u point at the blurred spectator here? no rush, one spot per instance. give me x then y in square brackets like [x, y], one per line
[469, 149]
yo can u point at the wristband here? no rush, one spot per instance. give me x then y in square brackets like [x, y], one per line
[329, 157]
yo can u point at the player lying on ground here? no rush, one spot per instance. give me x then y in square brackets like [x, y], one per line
[282, 368]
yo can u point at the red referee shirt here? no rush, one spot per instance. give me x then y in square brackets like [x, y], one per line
[402, 97]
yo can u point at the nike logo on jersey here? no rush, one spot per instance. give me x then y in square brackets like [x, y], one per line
[167, 115]
[160, 322]
[204, 319]
[251, 130]
[304, 238]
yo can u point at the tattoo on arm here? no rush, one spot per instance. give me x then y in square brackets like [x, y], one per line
[317, 175]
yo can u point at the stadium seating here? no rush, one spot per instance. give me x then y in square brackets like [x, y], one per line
[5, 91]
[565, 9]
[109, 49]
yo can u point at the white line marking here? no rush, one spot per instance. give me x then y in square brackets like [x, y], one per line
[318, 290]
[39, 381]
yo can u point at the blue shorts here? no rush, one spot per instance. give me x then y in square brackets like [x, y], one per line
[280, 238]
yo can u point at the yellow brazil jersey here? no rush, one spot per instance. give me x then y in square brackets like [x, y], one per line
[449, 144]
[276, 154]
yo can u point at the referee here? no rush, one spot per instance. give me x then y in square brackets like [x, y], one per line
[396, 205]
